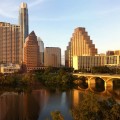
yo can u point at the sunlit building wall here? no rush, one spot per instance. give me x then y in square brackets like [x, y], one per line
[41, 51]
[9, 43]
[52, 56]
[24, 26]
[117, 52]
[109, 52]
[113, 60]
[80, 44]
[31, 51]
[87, 62]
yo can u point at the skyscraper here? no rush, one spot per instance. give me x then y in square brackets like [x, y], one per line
[31, 51]
[41, 51]
[24, 26]
[79, 45]
[9, 43]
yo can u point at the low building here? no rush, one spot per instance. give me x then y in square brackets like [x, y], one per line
[29, 69]
[113, 60]
[87, 62]
[12, 68]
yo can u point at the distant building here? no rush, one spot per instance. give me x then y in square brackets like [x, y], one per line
[9, 43]
[11, 68]
[41, 51]
[117, 52]
[112, 60]
[79, 45]
[24, 26]
[52, 56]
[110, 52]
[31, 51]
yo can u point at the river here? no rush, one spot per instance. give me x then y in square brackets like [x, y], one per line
[38, 104]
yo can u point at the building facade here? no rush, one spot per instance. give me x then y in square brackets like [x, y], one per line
[24, 26]
[31, 51]
[87, 62]
[52, 57]
[41, 51]
[111, 52]
[9, 43]
[11, 68]
[80, 44]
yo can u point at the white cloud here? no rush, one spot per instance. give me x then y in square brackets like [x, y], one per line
[37, 2]
[10, 9]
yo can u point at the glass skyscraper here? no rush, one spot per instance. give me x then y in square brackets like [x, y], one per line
[24, 26]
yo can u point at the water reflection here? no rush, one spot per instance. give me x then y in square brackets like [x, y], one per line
[18, 107]
[57, 101]
[39, 104]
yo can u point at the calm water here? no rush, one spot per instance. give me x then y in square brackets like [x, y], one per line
[39, 104]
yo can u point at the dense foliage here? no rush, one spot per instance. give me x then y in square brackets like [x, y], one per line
[55, 79]
[56, 115]
[93, 109]
[51, 78]
[90, 108]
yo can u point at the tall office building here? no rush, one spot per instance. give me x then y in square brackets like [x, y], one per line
[24, 25]
[9, 43]
[79, 45]
[41, 51]
[52, 57]
[31, 51]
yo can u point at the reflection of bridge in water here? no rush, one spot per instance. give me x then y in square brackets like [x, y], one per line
[94, 80]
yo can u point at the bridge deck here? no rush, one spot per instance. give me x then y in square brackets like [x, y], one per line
[97, 75]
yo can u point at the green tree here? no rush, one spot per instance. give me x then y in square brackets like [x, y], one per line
[56, 115]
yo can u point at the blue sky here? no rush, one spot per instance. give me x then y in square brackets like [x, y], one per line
[55, 20]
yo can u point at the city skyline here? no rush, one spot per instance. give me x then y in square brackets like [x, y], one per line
[55, 21]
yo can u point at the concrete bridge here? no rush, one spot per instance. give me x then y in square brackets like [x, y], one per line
[91, 80]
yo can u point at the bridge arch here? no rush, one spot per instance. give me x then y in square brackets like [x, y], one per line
[83, 82]
[112, 84]
[96, 84]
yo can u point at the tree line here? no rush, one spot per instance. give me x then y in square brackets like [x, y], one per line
[52, 78]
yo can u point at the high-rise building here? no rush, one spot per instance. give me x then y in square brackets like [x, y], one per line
[31, 51]
[79, 45]
[9, 43]
[52, 56]
[24, 25]
[41, 51]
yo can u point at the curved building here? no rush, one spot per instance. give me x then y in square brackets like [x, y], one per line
[79, 45]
